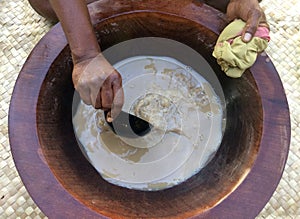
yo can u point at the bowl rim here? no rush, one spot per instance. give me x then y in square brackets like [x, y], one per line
[275, 139]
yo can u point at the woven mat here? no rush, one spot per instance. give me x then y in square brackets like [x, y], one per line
[21, 29]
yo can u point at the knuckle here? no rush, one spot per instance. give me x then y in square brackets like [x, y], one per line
[107, 93]
[81, 86]
[117, 83]
[255, 13]
[116, 75]
[118, 103]
[95, 83]
[251, 29]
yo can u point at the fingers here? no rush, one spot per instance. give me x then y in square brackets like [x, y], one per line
[99, 84]
[106, 94]
[253, 20]
[118, 100]
[250, 12]
[98, 102]
[111, 96]
[83, 90]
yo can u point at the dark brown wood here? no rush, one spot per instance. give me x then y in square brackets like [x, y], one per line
[65, 185]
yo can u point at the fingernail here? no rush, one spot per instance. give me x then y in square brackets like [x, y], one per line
[108, 117]
[247, 37]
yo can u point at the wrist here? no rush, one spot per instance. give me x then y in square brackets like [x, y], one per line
[79, 55]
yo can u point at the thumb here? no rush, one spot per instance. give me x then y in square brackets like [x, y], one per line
[252, 23]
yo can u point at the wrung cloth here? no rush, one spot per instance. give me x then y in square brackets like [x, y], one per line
[235, 56]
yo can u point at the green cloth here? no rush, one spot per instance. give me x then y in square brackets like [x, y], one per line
[236, 57]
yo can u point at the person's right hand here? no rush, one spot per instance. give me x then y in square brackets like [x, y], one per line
[99, 84]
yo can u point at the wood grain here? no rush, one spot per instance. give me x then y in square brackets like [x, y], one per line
[65, 185]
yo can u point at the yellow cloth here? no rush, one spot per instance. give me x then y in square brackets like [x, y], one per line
[236, 57]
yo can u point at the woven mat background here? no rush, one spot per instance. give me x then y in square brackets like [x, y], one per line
[22, 28]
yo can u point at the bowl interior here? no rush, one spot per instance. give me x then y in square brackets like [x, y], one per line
[217, 180]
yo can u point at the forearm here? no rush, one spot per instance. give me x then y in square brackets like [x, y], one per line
[218, 4]
[76, 23]
[221, 4]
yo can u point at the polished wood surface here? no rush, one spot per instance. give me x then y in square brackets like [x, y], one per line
[65, 185]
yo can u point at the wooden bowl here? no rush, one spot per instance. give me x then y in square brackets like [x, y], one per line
[237, 183]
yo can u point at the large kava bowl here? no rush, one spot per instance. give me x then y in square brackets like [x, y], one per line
[237, 182]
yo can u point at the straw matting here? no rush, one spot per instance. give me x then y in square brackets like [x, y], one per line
[21, 29]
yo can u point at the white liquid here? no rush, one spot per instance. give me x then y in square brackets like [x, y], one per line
[185, 111]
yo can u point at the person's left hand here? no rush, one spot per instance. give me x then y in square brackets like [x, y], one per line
[250, 12]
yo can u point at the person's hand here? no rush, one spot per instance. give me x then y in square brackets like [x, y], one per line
[99, 84]
[250, 12]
